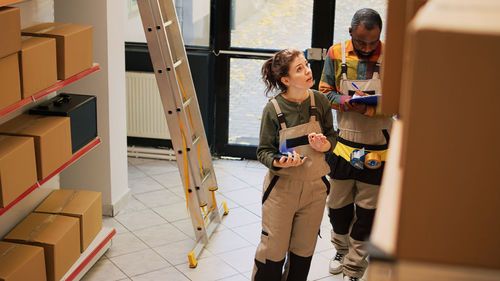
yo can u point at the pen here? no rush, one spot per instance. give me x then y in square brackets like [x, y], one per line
[355, 86]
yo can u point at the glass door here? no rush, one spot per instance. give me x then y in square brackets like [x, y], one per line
[247, 33]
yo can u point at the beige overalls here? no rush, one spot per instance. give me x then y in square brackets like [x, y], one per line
[292, 207]
[354, 190]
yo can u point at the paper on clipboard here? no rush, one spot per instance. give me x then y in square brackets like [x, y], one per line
[368, 100]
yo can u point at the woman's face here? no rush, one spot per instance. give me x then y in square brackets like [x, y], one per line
[299, 74]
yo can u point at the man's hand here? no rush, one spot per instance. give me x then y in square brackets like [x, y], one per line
[356, 107]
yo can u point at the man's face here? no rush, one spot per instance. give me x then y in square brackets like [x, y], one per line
[365, 41]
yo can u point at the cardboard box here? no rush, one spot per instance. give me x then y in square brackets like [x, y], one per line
[38, 64]
[52, 139]
[75, 47]
[17, 167]
[442, 189]
[19, 262]
[58, 235]
[399, 14]
[10, 81]
[416, 271]
[10, 33]
[82, 204]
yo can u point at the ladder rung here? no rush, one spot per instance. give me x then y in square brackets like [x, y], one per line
[186, 103]
[167, 23]
[177, 63]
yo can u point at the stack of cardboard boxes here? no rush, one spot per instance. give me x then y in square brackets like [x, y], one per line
[437, 216]
[62, 226]
[32, 147]
[29, 64]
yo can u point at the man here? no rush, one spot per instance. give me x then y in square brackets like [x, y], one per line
[352, 67]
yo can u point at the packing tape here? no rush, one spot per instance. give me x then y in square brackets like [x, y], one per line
[50, 28]
[66, 202]
[9, 249]
[373, 160]
[39, 228]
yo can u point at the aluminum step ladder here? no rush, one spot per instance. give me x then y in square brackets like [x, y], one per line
[178, 97]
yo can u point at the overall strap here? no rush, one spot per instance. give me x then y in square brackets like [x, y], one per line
[313, 110]
[376, 70]
[343, 67]
[281, 117]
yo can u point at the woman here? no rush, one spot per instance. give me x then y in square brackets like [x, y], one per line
[297, 126]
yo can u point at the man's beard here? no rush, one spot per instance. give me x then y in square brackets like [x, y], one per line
[363, 55]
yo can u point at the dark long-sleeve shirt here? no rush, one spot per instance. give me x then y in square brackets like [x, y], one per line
[295, 114]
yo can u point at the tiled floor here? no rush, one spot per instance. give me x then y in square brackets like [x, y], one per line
[154, 232]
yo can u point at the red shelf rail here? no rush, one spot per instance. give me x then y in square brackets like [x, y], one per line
[60, 84]
[84, 150]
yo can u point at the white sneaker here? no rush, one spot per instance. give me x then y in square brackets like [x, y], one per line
[335, 266]
[349, 278]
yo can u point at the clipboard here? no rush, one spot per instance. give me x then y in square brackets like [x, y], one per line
[368, 100]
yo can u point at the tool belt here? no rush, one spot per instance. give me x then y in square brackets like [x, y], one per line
[361, 155]
[363, 162]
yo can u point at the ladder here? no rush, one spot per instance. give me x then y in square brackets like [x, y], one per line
[178, 97]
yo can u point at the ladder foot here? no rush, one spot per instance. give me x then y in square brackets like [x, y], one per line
[192, 260]
[226, 210]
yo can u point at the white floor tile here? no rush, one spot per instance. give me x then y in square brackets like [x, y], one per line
[244, 196]
[140, 219]
[134, 173]
[125, 243]
[160, 235]
[226, 240]
[173, 212]
[238, 277]
[169, 273]
[144, 184]
[208, 269]
[227, 182]
[176, 253]
[241, 259]
[132, 205]
[104, 270]
[185, 226]
[239, 217]
[140, 262]
[255, 208]
[250, 232]
[113, 223]
[169, 179]
[158, 198]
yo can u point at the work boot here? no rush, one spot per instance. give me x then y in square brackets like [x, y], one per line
[335, 266]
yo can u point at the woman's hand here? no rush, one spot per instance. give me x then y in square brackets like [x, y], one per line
[319, 142]
[292, 160]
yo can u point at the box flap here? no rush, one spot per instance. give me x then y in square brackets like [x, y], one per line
[29, 42]
[32, 125]
[42, 228]
[68, 202]
[56, 28]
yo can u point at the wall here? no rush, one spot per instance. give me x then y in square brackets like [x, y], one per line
[105, 169]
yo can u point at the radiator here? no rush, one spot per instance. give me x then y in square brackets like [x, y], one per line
[145, 115]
